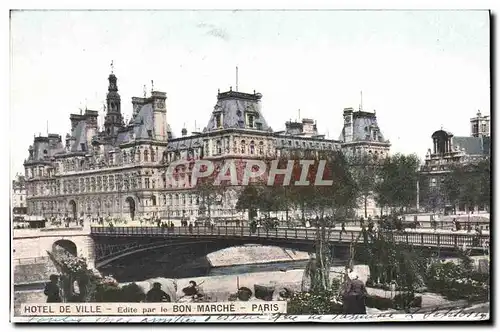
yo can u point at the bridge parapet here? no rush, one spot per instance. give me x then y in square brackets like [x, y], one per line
[50, 232]
[422, 239]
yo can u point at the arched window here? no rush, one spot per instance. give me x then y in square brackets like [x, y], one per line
[243, 149]
[219, 147]
[125, 157]
[152, 155]
[146, 158]
[252, 147]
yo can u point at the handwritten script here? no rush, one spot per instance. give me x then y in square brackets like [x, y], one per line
[445, 314]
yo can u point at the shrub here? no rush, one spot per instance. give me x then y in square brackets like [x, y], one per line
[132, 293]
[378, 302]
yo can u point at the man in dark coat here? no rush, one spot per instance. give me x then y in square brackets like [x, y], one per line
[156, 294]
[52, 290]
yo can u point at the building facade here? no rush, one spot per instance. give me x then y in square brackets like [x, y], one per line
[18, 203]
[449, 150]
[120, 171]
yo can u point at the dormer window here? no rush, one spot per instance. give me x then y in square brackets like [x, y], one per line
[218, 121]
[250, 121]
[82, 145]
[150, 133]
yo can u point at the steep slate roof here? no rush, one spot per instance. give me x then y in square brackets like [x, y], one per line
[472, 145]
[233, 105]
[80, 137]
[362, 122]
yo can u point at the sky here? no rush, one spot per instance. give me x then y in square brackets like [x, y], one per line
[420, 70]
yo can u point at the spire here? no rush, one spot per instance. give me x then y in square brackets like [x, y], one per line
[361, 101]
[152, 86]
[236, 78]
[112, 67]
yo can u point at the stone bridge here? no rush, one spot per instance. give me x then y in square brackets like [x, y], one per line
[116, 243]
[104, 245]
[29, 250]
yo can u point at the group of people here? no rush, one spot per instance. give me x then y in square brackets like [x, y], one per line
[155, 294]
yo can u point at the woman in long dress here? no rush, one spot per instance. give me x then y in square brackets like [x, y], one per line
[354, 296]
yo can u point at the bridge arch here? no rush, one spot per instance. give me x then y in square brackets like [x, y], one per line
[65, 245]
[198, 248]
[73, 209]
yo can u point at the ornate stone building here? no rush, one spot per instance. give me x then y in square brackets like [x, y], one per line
[361, 137]
[449, 150]
[120, 171]
[18, 203]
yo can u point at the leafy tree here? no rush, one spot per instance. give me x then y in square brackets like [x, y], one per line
[393, 262]
[364, 170]
[208, 192]
[249, 200]
[468, 183]
[397, 185]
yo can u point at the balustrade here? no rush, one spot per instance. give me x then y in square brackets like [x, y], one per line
[412, 238]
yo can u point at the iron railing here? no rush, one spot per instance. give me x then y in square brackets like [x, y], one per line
[425, 239]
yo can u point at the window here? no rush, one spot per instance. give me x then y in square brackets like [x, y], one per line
[146, 183]
[146, 155]
[219, 147]
[153, 200]
[125, 157]
[261, 148]
[250, 121]
[218, 121]
[252, 147]
[243, 150]
[153, 155]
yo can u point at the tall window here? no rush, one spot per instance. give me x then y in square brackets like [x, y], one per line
[243, 149]
[146, 183]
[146, 158]
[252, 147]
[218, 121]
[219, 147]
[250, 121]
[261, 148]
[152, 155]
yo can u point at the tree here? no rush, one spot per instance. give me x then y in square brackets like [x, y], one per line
[468, 183]
[364, 170]
[249, 200]
[397, 185]
[208, 192]
[335, 199]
